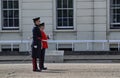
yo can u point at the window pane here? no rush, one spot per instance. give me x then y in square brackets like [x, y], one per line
[10, 13]
[70, 21]
[5, 14]
[11, 23]
[118, 18]
[115, 3]
[10, 4]
[59, 3]
[70, 13]
[118, 1]
[114, 18]
[59, 13]
[16, 22]
[16, 5]
[16, 13]
[5, 23]
[59, 21]
[65, 22]
[64, 3]
[64, 13]
[70, 3]
[118, 11]
[115, 26]
[114, 10]
[4, 4]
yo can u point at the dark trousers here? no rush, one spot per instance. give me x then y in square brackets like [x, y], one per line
[42, 57]
[41, 60]
[34, 62]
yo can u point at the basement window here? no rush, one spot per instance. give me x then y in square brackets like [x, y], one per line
[113, 47]
[65, 49]
[7, 48]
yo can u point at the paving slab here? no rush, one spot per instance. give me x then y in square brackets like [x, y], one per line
[62, 70]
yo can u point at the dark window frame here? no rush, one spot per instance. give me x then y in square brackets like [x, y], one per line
[114, 14]
[10, 15]
[65, 14]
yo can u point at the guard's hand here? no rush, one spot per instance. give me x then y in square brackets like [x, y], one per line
[35, 46]
[48, 36]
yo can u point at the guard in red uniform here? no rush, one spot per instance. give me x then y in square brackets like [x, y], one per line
[44, 45]
[36, 45]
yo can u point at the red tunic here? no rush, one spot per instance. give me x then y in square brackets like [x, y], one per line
[44, 40]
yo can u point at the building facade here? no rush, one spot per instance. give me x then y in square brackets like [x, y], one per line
[65, 20]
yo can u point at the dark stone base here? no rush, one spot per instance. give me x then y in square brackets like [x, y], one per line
[92, 53]
[13, 53]
[69, 53]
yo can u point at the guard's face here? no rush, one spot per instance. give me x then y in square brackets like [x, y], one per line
[42, 28]
[37, 22]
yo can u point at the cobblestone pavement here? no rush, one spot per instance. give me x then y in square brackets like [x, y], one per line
[59, 70]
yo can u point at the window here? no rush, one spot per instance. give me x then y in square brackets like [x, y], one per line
[7, 48]
[10, 14]
[115, 14]
[65, 14]
[114, 47]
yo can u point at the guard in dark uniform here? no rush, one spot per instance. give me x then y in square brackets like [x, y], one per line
[44, 40]
[36, 45]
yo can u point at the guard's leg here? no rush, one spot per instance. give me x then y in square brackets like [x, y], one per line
[43, 55]
[43, 59]
[34, 62]
[40, 63]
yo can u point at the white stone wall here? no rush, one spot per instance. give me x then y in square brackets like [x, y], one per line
[100, 22]
[90, 23]
[84, 16]
[36, 8]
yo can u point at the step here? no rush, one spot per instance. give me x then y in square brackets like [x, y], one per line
[91, 61]
[92, 52]
[13, 53]
[92, 58]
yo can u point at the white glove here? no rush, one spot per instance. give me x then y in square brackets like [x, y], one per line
[35, 46]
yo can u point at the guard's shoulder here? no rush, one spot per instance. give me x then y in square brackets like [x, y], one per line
[34, 28]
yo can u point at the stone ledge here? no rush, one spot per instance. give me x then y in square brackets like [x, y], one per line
[54, 56]
[55, 52]
[51, 56]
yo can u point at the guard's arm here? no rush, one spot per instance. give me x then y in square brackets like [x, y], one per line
[35, 36]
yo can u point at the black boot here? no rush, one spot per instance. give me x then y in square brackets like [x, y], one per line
[44, 68]
[37, 70]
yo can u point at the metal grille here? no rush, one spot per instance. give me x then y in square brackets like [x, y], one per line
[10, 14]
[65, 14]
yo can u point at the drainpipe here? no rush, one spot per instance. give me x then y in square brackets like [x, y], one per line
[93, 34]
[108, 20]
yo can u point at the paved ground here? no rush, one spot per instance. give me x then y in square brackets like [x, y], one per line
[66, 70]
